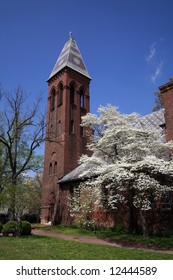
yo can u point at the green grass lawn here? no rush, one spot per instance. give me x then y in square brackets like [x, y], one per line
[47, 248]
[159, 242]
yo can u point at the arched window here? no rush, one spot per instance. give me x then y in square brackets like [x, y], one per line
[72, 100]
[82, 98]
[60, 95]
[53, 157]
[52, 100]
[50, 169]
[72, 92]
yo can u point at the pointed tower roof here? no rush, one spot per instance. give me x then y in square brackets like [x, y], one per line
[70, 56]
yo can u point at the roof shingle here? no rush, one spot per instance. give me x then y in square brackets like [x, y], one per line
[70, 56]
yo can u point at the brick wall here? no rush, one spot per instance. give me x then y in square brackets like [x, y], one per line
[63, 148]
[167, 95]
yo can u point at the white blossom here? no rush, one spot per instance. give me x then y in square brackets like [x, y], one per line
[125, 158]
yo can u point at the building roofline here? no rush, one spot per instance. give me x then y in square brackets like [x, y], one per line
[71, 57]
[166, 87]
[66, 66]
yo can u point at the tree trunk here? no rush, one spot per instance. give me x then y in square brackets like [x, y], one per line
[12, 202]
[131, 219]
[144, 223]
[130, 213]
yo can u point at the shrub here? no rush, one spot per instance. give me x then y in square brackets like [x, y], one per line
[11, 227]
[25, 228]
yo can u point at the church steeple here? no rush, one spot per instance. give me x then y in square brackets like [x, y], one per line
[70, 56]
[68, 101]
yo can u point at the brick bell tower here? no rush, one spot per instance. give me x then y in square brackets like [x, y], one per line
[68, 101]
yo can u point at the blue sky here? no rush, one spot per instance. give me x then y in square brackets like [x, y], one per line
[127, 46]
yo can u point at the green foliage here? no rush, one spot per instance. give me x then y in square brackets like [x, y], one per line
[25, 228]
[117, 235]
[46, 248]
[22, 130]
[25, 197]
[11, 226]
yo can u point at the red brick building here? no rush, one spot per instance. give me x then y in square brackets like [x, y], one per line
[167, 96]
[68, 100]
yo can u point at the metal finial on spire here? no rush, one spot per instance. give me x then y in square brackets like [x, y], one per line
[70, 35]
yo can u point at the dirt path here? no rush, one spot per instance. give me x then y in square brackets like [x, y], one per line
[82, 239]
[92, 240]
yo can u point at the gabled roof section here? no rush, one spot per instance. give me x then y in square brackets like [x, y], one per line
[70, 56]
[74, 175]
[152, 120]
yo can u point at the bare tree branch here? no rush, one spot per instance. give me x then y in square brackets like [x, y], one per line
[22, 131]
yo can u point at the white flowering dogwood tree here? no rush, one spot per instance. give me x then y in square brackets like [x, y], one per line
[130, 166]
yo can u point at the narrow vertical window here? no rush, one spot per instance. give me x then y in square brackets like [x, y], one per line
[52, 100]
[72, 107]
[60, 95]
[55, 167]
[72, 92]
[51, 132]
[50, 169]
[82, 98]
[59, 127]
[72, 127]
